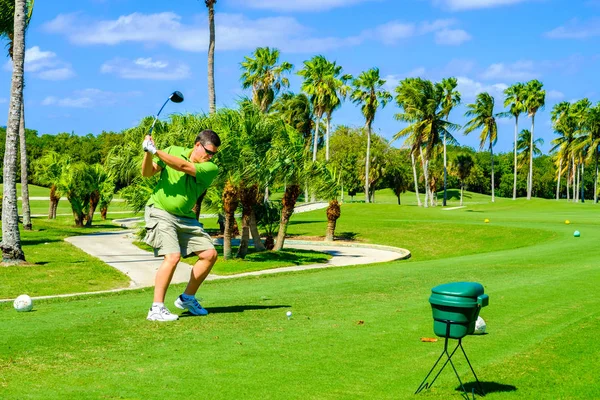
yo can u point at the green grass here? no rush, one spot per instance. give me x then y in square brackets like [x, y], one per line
[257, 261]
[355, 330]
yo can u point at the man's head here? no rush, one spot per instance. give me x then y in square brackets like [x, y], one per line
[206, 146]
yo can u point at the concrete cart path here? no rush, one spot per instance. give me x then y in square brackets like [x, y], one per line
[117, 250]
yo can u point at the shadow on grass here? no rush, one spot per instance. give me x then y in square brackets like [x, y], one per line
[33, 242]
[346, 235]
[488, 387]
[235, 309]
[453, 194]
[297, 257]
[303, 222]
[475, 211]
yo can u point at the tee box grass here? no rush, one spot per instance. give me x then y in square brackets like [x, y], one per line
[355, 331]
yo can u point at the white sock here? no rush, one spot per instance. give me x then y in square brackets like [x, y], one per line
[157, 304]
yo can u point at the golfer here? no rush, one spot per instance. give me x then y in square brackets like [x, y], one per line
[171, 225]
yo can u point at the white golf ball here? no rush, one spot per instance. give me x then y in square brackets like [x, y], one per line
[23, 303]
[289, 314]
[480, 326]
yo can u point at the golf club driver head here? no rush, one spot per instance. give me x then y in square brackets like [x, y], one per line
[176, 97]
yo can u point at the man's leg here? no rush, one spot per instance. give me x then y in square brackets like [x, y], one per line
[164, 275]
[202, 267]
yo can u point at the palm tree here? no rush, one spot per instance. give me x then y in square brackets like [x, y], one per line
[212, 106]
[593, 125]
[264, 76]
[451, 100]
[535, 99]
[422, 103]
[564, 126]
[514, 99]
[462, 167]
[368, 93]
[47, 171]
[484, 118]
[7, 12]
[523, 147]
[11, 238]
[315, 74]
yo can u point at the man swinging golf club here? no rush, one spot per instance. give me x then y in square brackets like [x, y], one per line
[171, 226]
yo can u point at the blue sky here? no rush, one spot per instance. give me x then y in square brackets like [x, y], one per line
[95, 65]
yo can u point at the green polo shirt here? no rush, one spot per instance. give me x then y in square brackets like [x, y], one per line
[176, 191]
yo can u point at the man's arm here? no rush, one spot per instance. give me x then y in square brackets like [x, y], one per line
[150, 168]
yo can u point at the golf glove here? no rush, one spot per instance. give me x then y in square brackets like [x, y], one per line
[148, 146]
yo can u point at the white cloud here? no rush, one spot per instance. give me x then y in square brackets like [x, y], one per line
[234, 32]
[392, 81]
[554, 95]
[469, 88]
[297, 5]
[575, 29]
[145, 68]
[459, 5]
[452, 37]
[44, 65]
[520, 70]
[88, 98]
[394, 31]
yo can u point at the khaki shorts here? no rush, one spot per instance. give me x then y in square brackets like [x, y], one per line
[168, 233]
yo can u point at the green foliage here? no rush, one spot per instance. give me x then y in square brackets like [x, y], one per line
[268, 215]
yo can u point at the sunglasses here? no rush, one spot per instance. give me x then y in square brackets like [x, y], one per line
[209, 152]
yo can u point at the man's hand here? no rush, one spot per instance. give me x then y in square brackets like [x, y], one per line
[148, 145]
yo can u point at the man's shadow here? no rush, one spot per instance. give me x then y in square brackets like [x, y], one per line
[234, 309]
[488, 387]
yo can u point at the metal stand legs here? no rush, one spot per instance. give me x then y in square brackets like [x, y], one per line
[426, 385]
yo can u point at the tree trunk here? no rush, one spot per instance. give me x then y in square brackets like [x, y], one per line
[445, 174]
[316, 138]
[24, 175]
[212, 101]
[11, 238]
[103, 211]
[462, 185]
[424, 165]
[94, 200]
[412, 159]
[333, 213]
[582, 182]
[288, 203]
[574, 181]
[596, 178]
[568, 177]
[558, 179]
[54, 208]
[327, 138]
[515, 171]
[305, 191]
[198, 206]
[230, 203]
[367, 162]
[248, 199]
[530, 187]
[258, 244]
[492, 157]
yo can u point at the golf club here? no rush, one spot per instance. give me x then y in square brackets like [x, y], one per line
[175, 97]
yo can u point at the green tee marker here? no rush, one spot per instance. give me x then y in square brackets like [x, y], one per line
[576, 234]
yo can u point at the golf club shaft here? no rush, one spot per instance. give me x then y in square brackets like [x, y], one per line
[156, 117]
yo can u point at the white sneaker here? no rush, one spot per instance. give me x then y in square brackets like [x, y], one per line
[162, 314]
[191, 305]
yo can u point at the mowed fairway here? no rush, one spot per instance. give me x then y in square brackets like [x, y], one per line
[355, 331]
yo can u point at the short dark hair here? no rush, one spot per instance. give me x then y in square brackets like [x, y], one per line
[208, 136]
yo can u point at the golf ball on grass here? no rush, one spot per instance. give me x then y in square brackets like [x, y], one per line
[576, 234]
[23, 303]
[480, 326]
[567, 222]
[289, 314]
[487, 221]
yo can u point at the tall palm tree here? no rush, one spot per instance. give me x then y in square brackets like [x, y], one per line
[368, 93]
[7, 11]
[484, 118]
[212, 101]
[11, 238]
[422, 103]
[315, 84]
[265, 76]
[564, 126]
[593, 125]
[535, 99]
[451, 100]
[514, 99]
